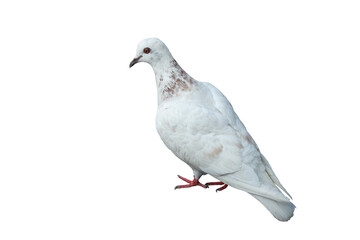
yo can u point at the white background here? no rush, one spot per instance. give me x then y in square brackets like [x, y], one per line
[79, 154]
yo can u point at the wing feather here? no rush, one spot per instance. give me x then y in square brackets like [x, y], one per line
[241, 165]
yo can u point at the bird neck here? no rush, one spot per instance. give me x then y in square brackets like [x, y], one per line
[171, 80]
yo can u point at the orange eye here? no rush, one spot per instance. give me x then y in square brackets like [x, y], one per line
[147, 50]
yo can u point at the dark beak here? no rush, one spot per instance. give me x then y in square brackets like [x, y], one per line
[134, 61]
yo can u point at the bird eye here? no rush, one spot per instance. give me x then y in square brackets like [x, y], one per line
[147, 50]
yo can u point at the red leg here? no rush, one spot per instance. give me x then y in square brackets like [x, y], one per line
[214, 183]
[192, 183]
[222, 188]
[217, 183]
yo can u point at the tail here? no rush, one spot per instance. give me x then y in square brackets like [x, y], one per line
[282, 211]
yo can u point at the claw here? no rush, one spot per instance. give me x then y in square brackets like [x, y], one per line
[217, 183]
[192, 183]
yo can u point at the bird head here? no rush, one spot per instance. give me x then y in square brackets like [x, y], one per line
[152, 51]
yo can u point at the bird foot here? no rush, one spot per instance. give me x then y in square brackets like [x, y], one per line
[192, 183]
[217, 183]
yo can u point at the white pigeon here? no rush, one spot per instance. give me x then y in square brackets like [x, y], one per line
[198, 124]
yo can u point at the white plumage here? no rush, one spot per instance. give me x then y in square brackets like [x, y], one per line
[198, 124]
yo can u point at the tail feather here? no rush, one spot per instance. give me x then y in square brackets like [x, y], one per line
[272, 175]
[282, 211]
